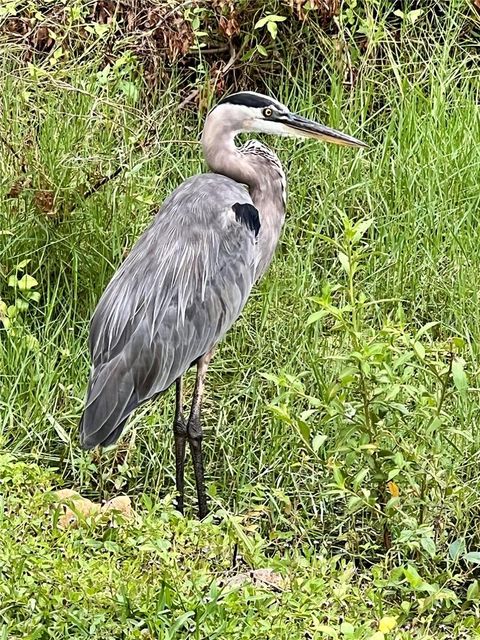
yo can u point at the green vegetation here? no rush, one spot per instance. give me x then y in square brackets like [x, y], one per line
[342, 416]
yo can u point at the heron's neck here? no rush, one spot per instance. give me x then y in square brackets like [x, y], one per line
[256, 166]
[253, 164]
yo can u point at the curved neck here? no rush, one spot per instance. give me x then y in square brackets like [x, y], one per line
[255, 166]
[221, 154]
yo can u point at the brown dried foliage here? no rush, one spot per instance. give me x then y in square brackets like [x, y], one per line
[152, 27]
[44, 201]
[326, 9]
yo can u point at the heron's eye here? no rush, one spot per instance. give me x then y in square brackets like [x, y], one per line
[267, 112]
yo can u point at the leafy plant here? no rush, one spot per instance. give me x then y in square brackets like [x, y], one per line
[269, 22]
[381, 424]
[24, 294]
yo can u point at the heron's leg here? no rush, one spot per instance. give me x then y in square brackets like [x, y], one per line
[195, 434]
[180, 435]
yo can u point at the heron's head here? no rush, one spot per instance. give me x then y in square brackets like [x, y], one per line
[248, 111]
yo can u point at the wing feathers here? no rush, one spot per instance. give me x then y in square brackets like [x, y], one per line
[110, 391]
[180, 289]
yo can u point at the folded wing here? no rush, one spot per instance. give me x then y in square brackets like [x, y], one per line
[181, 288]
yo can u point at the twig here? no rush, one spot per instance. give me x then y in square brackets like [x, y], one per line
[173, 12]
[233, 58]
[222, 49]
[100, 183]
[18, 158]
[191, 96]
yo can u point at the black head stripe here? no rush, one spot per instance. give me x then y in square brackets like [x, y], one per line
[247, 99]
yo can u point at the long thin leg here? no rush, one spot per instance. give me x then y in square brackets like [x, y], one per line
[180, 435]
[195, 434]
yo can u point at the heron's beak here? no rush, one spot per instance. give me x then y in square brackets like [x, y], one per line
[304, 128]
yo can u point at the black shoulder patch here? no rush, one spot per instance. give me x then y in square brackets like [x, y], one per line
[247, 214]
[248, 99]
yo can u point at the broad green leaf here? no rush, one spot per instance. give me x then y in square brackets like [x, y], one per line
[273, 29]
[473, 591]
[472, 556]
[393, 392]
[130, 90]
[27, 282]
[339, 478]
[308, 413]
[457, 549]
[262, 51]
[425, 329]
[315, 402]
[392, 503]
[459, 376]
[280, 412]
[304, 430]
[413, 16]
[270, 18]
[361, 228]
[22, 305]
[314, 317]
[318, 441]
[458, 342]
[419, 350]
[402, 360]
[429, 546]
[355, 504]
[399, 460]
[412, 576]
[34, 295]
[436, 423]
[235, 523]
[393, 473]
[347, 629]
[360, 477]
[344, 261]
[295, 382]
[179, 622]
[271, 377]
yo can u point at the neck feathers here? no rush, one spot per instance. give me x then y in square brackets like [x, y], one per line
[256, 166]
[270, 175]
[253, 164]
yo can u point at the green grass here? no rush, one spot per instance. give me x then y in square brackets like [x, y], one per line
[294, 500]
[163, 576]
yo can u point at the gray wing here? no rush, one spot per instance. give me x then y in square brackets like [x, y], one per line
[181, 288]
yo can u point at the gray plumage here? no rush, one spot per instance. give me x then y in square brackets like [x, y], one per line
[189, 276]
[178, 292]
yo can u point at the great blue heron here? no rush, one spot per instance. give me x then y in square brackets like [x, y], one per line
[188, 277]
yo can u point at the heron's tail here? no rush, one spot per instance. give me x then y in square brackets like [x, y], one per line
[110, 400]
